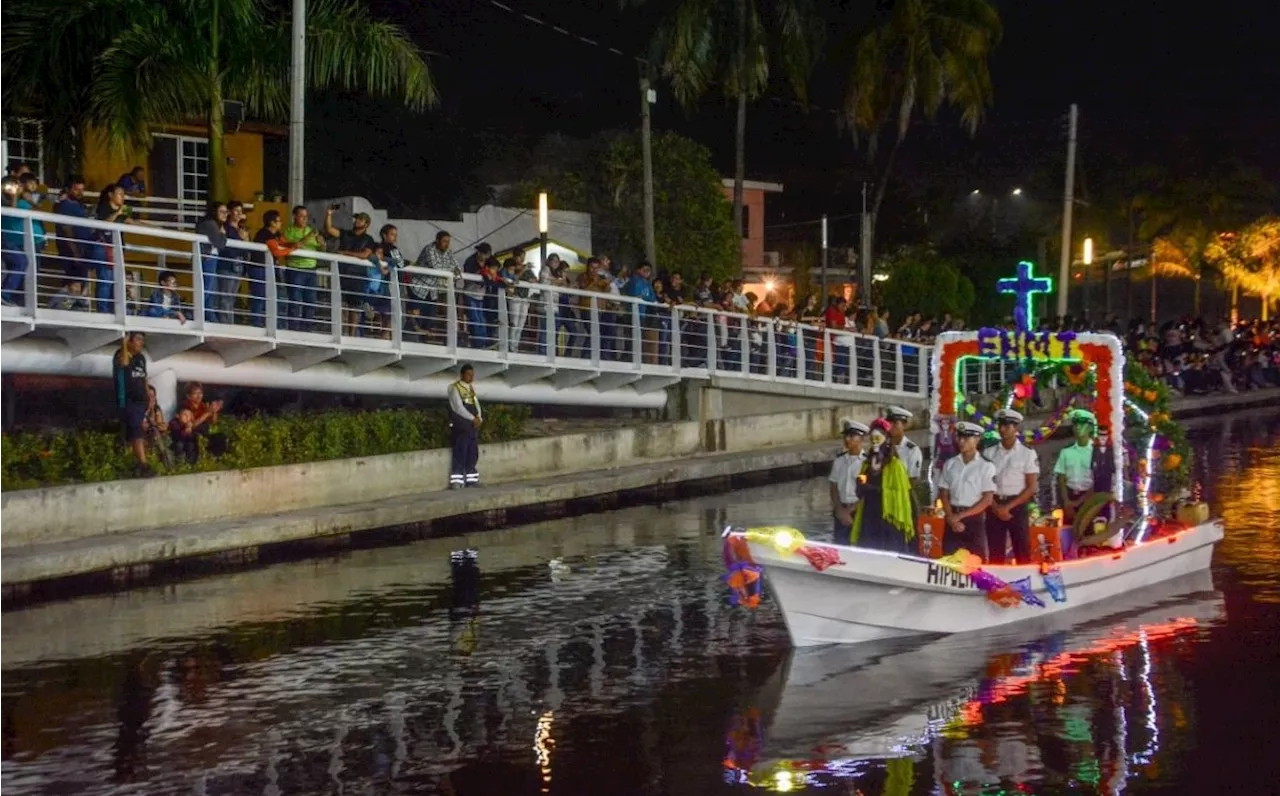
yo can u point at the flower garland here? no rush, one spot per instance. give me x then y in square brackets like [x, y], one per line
[1152, 427]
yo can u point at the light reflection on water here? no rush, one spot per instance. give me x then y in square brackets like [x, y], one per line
[603, 658]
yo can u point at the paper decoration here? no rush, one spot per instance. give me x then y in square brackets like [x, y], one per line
[1023, 587]
[820, 556]
[986, 581]
[1005, 596]
[961, 561]
[743, 580]
[1052, 577]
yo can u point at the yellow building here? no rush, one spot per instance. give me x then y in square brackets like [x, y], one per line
[176, 163]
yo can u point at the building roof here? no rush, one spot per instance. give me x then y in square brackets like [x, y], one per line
[754, 185]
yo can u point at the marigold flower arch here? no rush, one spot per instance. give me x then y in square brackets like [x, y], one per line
[1102, 351]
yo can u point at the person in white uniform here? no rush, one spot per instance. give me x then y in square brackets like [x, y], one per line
[1017, 478]
[907, 451]
[966, 488]
[844, 481]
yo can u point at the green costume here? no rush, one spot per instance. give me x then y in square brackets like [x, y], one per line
[885, 508]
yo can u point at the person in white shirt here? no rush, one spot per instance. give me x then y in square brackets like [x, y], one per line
[907, 451]
[1017, 478]
[965, 488]
[844, 481]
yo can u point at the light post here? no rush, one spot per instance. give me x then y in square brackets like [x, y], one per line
[1087, 259]
[542, 230]
[824, 257]
[976, 194]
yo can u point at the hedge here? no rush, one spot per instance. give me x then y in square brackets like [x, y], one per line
[39, 459]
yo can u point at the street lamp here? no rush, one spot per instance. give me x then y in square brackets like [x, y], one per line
[542, 229]
[1017, 192]
[1087, 258]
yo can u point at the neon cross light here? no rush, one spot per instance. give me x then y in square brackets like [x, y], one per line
[1024, 287]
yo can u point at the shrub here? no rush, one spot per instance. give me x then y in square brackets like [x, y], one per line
[37, 459]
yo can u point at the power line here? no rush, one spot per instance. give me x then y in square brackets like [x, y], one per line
[813, 221]
[566, 32]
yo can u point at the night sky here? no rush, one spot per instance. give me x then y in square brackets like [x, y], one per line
[1149, 84]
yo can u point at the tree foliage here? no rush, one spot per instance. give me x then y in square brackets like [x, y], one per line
[604, 175]
[921, 280]
[123, 66]
[1250, 259]
[917, 57]
[733, 44]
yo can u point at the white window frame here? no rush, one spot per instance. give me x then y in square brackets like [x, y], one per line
[184, 196]
[36, 163]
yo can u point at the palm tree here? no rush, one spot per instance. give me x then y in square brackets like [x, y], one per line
[1250, 260]
[123, 66]
[917, 56]
[1181, 254]
[731, 43]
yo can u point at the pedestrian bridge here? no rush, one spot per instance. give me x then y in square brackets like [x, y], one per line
[236, 317]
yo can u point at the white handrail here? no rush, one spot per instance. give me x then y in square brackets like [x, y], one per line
[608, 332]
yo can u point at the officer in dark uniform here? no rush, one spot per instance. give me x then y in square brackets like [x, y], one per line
[465, 418]
[129, 373]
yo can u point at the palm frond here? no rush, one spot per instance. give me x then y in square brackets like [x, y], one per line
[348, 49]
[1169, 259]
[150, 76]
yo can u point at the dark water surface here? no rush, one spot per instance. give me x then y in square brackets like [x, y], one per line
[603, 658]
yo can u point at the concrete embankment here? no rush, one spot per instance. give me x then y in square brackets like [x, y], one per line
[109, 535]
[117, 533]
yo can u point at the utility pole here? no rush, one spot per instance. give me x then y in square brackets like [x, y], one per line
[865, 254]
[824, 255]
[647, 97]
[1068, 201]
[297, 100]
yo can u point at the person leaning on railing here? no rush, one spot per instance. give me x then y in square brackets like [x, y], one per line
[300, 272]
[112, 209]
[424, 308]
[17, 193]
[272, 236]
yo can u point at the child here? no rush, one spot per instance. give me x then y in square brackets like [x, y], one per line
[165, 301]
[157, 429]
[71, 297]
[183, 433]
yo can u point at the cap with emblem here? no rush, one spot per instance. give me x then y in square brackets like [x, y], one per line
[1079, 416]
[1008, 416]
[966, 429]
[852, 428]
[892, 413]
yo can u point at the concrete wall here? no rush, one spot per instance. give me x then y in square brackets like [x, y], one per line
[71, 512]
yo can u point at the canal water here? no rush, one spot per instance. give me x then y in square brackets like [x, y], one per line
[599, 655]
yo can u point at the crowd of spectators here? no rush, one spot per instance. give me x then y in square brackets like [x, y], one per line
[1197, 357]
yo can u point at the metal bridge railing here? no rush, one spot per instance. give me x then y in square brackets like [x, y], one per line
[335, 302]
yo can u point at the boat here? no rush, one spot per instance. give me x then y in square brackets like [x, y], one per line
[832, 709]
[835, 594]
[857, 595]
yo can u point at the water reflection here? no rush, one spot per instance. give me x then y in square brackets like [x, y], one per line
[1067, 709]
[599, 655]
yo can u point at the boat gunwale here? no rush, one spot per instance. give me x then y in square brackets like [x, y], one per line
[1084, 570]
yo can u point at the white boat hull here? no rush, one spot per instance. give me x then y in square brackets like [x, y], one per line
[873, 595]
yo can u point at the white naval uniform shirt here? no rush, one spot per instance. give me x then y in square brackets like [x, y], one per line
[965, 483]
[1012, 467]
[912, 457]
[844, 474]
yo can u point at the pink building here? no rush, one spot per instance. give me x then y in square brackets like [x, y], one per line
[753, 193]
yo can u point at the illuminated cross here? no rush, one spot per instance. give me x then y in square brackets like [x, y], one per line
[1024, 287]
